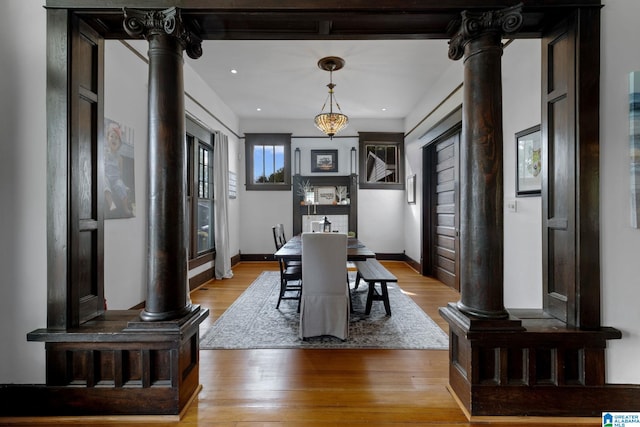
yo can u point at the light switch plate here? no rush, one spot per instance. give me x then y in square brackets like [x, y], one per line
[512, 205]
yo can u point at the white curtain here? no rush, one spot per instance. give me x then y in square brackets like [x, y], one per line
[221, 211]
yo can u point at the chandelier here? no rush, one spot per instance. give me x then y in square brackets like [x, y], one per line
[332, 122]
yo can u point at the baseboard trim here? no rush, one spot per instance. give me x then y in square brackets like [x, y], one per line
[92, 419]
[391, 256]
[257, 257]
[270, 257]
[413, 264]
[511, 420]
[235, 259]
[199, 279]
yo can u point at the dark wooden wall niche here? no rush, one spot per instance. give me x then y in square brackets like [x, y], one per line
[300, 208]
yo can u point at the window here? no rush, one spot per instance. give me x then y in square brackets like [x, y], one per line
[268, 161]
[204, 228]
[199, 190]
[381, 160]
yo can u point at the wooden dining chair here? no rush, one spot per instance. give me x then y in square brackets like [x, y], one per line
[325, 304]
[290, 283]
[290, 271]
[280, 239]
[278, 235]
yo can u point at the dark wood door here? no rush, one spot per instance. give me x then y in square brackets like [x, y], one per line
[86, 299]
[445, 227]
[559, 204]
[570, 179]
[440, 200]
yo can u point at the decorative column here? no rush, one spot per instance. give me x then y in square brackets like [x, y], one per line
[481, 185]
[167, 281]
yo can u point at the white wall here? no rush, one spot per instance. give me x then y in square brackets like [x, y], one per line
[442, 99]
[261, 210]
[23, 151]
[125, 239]
[522, 229]
[619, 243]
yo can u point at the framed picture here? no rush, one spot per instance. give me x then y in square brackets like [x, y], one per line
[634, 147]
[528, 162]
[325, 195]
[119, 170]
[324, 160]
[411, 190]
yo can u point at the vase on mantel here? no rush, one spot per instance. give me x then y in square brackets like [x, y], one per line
[341, 193]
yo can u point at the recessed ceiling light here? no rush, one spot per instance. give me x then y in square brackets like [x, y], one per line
[383, 109]
[258, 109]
[234, 71]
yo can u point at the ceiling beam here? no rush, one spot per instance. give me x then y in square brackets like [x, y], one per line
[319, 20]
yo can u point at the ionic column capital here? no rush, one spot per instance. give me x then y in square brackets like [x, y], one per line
[149, 23]
[476, 24]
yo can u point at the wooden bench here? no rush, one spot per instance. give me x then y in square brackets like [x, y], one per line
[372, 272]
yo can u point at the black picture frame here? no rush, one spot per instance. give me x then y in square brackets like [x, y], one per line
[529, 162]
[324, 160]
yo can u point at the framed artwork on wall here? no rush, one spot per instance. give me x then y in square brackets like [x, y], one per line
[324, 160]
[119, 170]
[325, 195]
[381, 164]
[528, 162]
[634, 147]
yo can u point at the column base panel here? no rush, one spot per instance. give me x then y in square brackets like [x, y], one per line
[542, 368]
[111, 366]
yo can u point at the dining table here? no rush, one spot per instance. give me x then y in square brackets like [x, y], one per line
[292, 250]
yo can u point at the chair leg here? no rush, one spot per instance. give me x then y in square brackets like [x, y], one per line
[349, 288]
[282, 288]
[283, 291]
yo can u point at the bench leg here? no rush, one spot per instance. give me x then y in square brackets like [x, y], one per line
[385, 298]
[373, 295]
[370, 296]
[358, 277]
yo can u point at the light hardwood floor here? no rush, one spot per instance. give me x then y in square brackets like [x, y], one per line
[323, 387]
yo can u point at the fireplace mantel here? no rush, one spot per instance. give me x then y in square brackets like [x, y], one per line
[350, 209]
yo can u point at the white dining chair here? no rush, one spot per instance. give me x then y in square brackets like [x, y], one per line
[324, 307]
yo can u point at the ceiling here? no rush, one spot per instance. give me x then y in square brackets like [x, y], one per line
[395, 50]
[380, 79]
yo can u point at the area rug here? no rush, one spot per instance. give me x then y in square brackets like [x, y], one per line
[253, 322]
